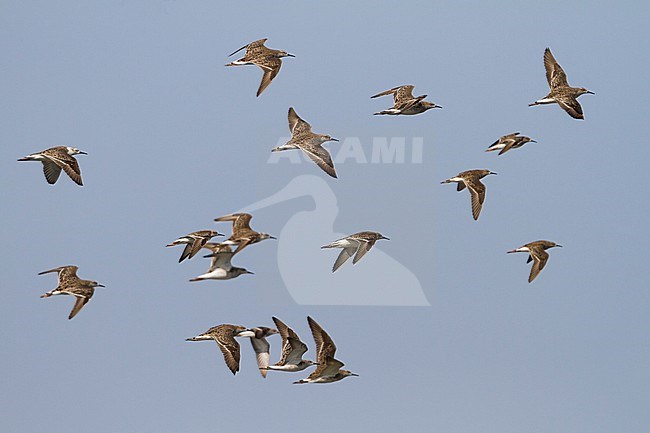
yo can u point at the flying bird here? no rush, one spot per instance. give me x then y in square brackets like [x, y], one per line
[242, 234]
[220, 266]
[56, 159]
[70, 284]
[267, 59]
[224, 335]
[510, 141]
[404, 102]
[312, 144]
[357, 244]
[471, 180]
[329, 368]
[537, 254]
[561, 93]
[292, 350]
[193, 242]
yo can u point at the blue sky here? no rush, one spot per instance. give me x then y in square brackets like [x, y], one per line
[175, 139]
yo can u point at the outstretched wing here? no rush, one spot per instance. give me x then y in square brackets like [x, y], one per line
[261, 347]
[51, 171]
[344, 255]
[477, 192]
[320, 156]
[571, 106]
[297, 126]
[271, 67]
[251, 48]
[540, 257]
[230, 350]
[80, 301]
[364, 247]
[554, 73]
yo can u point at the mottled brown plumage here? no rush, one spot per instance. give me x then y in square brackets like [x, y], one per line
[312, 144]
[56, 159]
[193, 242]
[404, 102]
[69, 284]
[509, 141]
[329, 368]
[537, 254]
[357, 244]
[265, 58]
[561, 93]
[242, 234]
[224, 335]
[471, 180]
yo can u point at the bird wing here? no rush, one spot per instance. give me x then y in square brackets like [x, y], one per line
[292, 347]
[242, 244]
[221, 260]
[509, 141]
[477, 192]
[51, 171]
[66, 273]
[406, 103]
[297, 126]
[405, 93]
[325, 347]
[344, 255]
[261, 347]
[325, 368]
[240, 221]
[271, 67]
[539, 261]
[68, 164]
[320, 156]
[554, 73]
[230, 350]
[387, 92]
[80, 301]
[362, 249]
[571, 106]
[252, 47]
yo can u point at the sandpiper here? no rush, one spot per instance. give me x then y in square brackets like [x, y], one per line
[267, 59]
[357, 244]
[220, 266]
[261, 347]
[312, 144]
[70, 284]
[510, 141]
[193, 242]
[470, 179]
[404, 102]
[329, 368]
[561, 93]
[537, 255]
[56, 158]
[225, 335]
[292, 350]
[242, 234]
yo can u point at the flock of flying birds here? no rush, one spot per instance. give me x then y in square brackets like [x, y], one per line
[328, 369]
